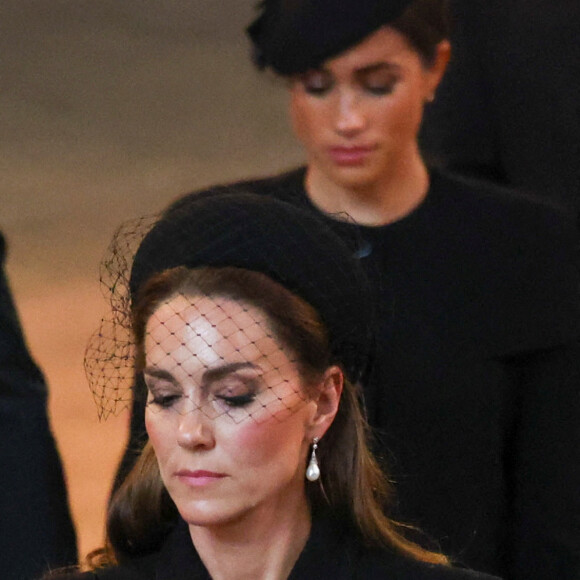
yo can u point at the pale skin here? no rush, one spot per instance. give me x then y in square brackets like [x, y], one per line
[358, 118]
[231, 426]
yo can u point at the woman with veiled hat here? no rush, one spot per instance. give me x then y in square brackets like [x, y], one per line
[474, 394]
[257, 464]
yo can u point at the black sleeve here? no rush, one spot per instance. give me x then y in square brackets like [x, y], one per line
[36, 531]
[545, 466]
[544, 463]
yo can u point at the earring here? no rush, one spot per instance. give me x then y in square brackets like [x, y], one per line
[313, 471]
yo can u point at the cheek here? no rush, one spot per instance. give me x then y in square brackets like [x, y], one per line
[305, 119]
[401, 117]
[160, 434]
[259, 445]
[255, 442]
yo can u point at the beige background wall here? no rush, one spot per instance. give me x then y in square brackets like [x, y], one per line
[108, 110]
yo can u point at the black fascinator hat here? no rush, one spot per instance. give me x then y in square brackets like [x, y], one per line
[288, 244]
[293, 36]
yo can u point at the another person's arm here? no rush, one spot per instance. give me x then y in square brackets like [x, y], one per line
[545, 463]
[36, 530]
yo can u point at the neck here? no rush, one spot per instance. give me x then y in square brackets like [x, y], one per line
[400, 189]
[258, 546]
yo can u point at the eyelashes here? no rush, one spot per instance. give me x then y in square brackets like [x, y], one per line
[237, 401]
[224, 396]
[213, 407]
[316, 83]
[232, 402]
[164, 401]
[380, 90]
[373, 83]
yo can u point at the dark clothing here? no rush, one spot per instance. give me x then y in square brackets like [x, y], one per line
[509, 106]
[330, 553]
[36, 531]
[475, 393]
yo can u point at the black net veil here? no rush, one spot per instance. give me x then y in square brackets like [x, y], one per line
[211, 352]
[110, 354]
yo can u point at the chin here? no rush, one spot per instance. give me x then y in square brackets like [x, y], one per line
[209, 514]
[354, 178]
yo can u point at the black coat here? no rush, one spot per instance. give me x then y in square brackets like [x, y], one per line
[475, 393]
[509, 105]
[330, 554]
[36, 531]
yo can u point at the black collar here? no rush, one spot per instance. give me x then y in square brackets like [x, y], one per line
[328, 553]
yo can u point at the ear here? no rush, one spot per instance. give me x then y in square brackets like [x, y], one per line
[437, 68]
[327, 401]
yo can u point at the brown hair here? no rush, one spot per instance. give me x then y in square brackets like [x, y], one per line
[425, 23]
[352, 485]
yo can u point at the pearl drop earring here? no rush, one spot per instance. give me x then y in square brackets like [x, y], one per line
[313, 471]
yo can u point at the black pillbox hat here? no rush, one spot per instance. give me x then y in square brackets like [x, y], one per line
[293, 36]
[289, 244]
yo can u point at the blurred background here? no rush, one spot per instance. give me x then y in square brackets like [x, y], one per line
[108, 111]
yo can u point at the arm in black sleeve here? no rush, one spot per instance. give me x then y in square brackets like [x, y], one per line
[545, 459]
[36, 530]
[546, 467]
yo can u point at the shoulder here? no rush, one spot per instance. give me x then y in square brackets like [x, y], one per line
[286, 186]
[502, 222]
[139, 568]
[112, 573]
[522, 251]
[382, 564]
[516, 205]
[354, 559]
[491, 204]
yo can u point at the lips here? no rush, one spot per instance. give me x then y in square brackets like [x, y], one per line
[351, 155]
[199, 478]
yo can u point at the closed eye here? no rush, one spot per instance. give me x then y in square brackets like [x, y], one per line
[164, 401]
[379, 79]
[316, 83]
[379, 90]
[237, 401]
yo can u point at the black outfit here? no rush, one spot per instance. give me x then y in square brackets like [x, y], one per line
[475, 392]
[509, 105]
[36, 531]
[330, 553]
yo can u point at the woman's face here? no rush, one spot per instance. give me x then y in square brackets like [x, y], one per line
[358, 116]
[226, 414]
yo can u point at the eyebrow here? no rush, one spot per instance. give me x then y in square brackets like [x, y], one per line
[159, 374]
[373, 67]
[210, 375]
[217, 373]
[364, 70]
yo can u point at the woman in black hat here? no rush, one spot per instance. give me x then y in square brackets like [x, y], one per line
[474, 394]
[257, 464]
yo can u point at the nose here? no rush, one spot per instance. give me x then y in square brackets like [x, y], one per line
[195, 430]
[350, 118]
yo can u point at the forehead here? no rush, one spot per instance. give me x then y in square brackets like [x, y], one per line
[210, 331]
[384, 46]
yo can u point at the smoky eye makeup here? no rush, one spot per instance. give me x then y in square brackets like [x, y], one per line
[161, 392]
[229, 386]
[237, 388]
[316, 82]
[378, 81]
